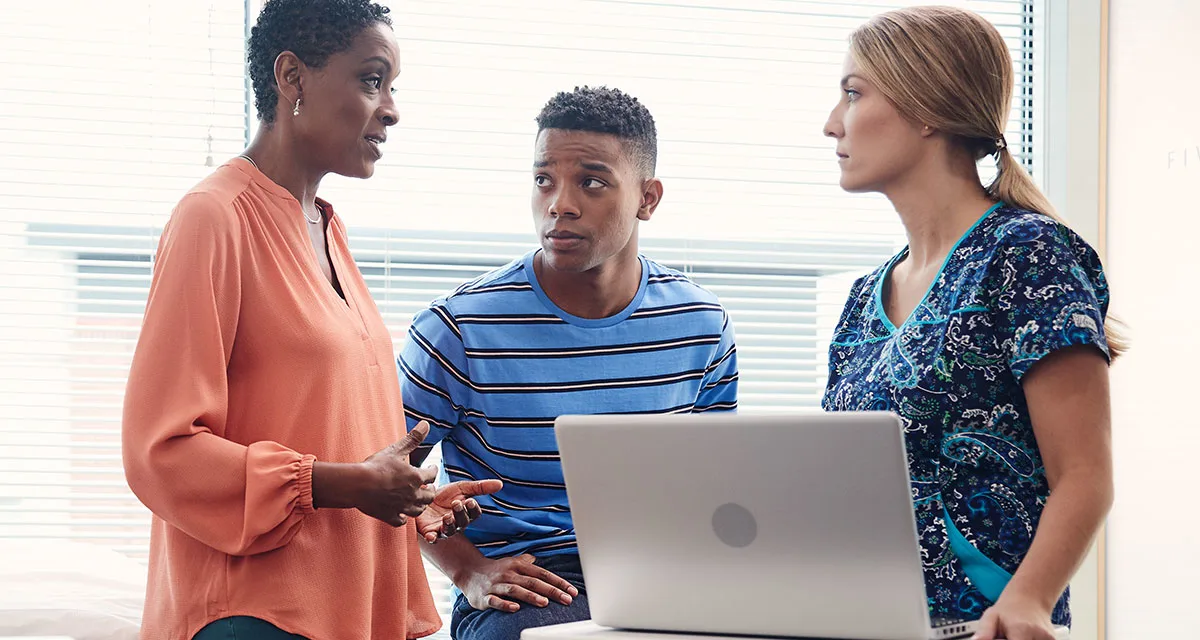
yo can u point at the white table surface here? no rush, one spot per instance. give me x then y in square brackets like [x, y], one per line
[589, 630]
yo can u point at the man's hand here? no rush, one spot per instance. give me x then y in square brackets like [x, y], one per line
[453, 508]
[500, 584]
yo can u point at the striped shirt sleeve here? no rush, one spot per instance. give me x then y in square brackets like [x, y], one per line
[718, 392]
[432, 369]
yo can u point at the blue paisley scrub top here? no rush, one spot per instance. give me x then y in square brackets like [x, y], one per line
[1016, 287]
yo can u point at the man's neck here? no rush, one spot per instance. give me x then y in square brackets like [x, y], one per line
[599, 293]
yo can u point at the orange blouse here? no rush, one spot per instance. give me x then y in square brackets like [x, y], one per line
[250, 367]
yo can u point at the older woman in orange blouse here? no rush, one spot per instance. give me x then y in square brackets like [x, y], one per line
[263, 423]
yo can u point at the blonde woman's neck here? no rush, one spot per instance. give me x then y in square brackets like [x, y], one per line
[936, 209]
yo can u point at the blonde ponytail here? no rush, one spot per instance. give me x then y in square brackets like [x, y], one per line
[1014, 187]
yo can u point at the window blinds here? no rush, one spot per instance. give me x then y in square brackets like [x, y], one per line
[111, 111]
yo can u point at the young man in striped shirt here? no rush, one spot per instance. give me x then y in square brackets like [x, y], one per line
[583, 325]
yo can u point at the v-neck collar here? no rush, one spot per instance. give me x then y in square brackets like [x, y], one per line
[881, 310]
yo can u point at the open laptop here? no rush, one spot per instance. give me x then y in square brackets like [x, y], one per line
[798, 525]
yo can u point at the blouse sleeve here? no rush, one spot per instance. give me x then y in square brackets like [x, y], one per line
[235, 498]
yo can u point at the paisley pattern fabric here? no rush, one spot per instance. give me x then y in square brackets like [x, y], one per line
[1016, 287]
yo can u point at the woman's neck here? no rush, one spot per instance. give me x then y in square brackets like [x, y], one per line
[936, 209]
[275, 155]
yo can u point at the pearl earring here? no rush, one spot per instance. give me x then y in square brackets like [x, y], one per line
[296, 109]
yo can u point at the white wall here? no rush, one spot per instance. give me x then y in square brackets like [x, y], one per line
[1071, 179]
[1153, 245]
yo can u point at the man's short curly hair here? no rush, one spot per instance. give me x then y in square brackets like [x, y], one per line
[605, 110]
[311, 29]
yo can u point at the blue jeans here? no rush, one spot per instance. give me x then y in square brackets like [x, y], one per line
[468, 623]
[243, 628]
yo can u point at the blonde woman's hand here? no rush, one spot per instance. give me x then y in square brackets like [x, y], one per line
[1015, 618]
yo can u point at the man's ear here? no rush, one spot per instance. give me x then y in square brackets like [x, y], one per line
[652, 192]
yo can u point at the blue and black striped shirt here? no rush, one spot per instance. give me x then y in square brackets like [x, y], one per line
[493, 364]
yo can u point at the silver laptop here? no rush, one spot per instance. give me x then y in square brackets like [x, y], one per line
[798, 525]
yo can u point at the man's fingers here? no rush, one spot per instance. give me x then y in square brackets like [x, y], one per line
[517, 592]
[470, 488]
[500, 604]
[544, 588]
[448, 529]
[553, 580]
[474, 511]
[460, 517]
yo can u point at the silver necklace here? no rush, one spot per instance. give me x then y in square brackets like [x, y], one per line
[251, 161]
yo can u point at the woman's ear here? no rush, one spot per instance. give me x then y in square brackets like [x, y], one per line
[288, 72]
